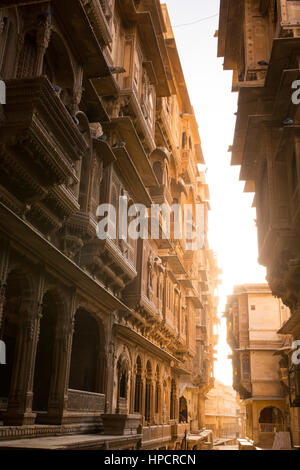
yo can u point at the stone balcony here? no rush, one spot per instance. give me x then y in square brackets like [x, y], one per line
[104, 259]
[37, 122]
[40, 151]
[122, 424]
[161, 195]
[189, 168]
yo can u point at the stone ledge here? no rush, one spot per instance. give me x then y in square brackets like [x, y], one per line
[12, 432]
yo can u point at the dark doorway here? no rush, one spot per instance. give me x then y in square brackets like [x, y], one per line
[87, 357]
[183, 410]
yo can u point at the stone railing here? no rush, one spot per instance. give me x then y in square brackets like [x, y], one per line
[179, 430]
[156, 433]
[270, 427]
[85, 401]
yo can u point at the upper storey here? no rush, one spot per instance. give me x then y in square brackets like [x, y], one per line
[249, 33]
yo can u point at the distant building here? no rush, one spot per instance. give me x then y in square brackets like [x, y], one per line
[253, 319]
[222, 412]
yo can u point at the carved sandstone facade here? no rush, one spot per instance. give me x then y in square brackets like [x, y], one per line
[259, 40]
[114, 337]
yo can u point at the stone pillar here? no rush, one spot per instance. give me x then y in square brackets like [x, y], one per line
[19, 410]
[132, 394]
[144, 388]
[110, 367]
[152, 403]
[58, 397]
[176, 413]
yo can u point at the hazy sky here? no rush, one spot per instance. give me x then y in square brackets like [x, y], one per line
[233, 232]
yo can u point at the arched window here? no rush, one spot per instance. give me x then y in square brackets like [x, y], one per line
[59, 70]
[123, 375]
[157, 168]
[123, 385]
[8, 43]
[28, 57]
[123, 378]
[271, 420]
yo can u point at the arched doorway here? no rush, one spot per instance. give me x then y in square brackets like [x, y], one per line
[183, 410]
[44, 354]
[123, 384]
[58, 68]
[271, 420]
[158, 170]
[87, 360]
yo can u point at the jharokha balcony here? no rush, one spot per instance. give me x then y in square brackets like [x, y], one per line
[41, 146]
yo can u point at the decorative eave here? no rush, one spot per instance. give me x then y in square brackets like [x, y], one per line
[126, 129]
[283, 56]
[174, 263]
[155, 9]
[224, 4]
[105, 152]
[283, 105]
[98, 20]
[291, 326]
[132, 177]
[251, 154]
[247, 106]
[76, 22]
[94, 105]
[231, 31]
[195, 299]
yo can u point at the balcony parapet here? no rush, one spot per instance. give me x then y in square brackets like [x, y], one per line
[85, 401]
[100, 15]
[157, 434]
